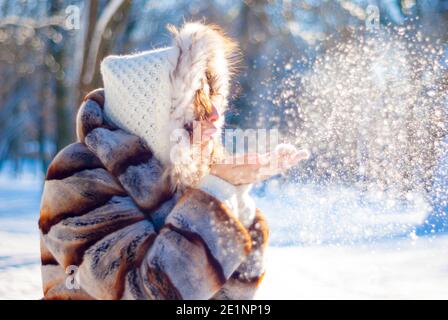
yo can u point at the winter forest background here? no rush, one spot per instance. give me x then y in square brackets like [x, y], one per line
[363, 90]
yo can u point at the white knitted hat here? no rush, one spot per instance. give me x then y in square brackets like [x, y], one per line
[151, 93]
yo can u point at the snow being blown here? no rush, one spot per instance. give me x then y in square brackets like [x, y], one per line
[372, 110]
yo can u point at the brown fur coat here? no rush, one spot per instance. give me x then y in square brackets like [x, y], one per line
[106, 213]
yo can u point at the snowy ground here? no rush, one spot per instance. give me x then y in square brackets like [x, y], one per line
[312, 254]
[405, 270]
[19, 240]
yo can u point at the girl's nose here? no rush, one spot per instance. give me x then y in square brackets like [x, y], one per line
[214, 115]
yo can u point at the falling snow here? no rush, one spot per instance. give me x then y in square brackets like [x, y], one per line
[372, 110]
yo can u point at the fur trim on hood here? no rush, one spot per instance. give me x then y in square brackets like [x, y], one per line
[151, 94]
[203, 51]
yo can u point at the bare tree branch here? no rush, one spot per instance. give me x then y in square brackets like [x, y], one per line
[97, 42]
[42, 22]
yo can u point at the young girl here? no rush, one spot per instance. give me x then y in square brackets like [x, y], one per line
[135, 210]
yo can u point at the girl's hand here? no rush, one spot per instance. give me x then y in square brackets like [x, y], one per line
[251, 168]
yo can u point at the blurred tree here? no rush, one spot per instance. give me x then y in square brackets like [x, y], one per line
[99, 40]
[57, 50]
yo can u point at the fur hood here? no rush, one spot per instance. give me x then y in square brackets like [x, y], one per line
[201, 50]
[150, 94]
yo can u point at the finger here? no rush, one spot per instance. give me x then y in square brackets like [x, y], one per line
[279, 163]
[285, 149]
[303, 154]
[291, 161]
[265, 159]
[246, 160]
[288, 156]
[299, 156]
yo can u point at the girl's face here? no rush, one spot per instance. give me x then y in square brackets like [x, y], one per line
[203, 129]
